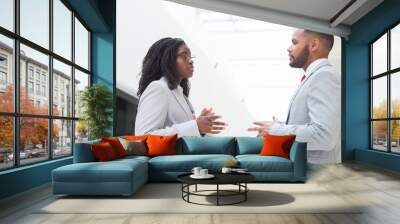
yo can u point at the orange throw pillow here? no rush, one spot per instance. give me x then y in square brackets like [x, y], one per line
[277, 145]
[161, 145]
[116, 145]
[103, 152]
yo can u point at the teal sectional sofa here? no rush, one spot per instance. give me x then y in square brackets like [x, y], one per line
[125, 176]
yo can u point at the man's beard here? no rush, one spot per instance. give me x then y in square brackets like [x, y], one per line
[301, 60]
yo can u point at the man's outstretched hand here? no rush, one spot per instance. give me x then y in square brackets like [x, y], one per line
[263, 127]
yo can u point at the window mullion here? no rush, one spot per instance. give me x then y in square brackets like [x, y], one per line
[50, 81]
[73, 82]
[389, 104]
[16, 83]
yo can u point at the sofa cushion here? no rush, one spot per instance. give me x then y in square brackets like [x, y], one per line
[111, 171]
[185, 163]
[249, 145]
[206, 145]
[257, 163]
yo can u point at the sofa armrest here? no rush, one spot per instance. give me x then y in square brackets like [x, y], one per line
[83, 152]
[298, 155]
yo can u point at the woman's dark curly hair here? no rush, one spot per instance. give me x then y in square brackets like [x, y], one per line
[160, 61]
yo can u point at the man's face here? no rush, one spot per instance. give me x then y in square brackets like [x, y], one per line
[298, 51]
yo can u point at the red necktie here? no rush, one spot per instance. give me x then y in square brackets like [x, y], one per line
[302, 78]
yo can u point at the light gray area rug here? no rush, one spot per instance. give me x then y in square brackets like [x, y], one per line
[166, 198]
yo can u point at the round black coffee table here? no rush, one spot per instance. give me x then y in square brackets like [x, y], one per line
[238, 179]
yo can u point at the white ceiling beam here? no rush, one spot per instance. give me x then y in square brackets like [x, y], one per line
[348, 12]
[268, 15]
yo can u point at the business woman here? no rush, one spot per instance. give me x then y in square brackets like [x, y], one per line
[164, 107]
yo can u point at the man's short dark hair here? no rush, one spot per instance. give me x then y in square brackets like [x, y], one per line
[327, 38]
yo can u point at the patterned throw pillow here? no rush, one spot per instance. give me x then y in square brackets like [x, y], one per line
[134, 147]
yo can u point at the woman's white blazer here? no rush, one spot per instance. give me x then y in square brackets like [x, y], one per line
[162, 111]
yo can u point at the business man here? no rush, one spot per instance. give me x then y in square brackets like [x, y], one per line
[313, 114]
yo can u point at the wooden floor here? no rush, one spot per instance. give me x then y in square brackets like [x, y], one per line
[377, 188]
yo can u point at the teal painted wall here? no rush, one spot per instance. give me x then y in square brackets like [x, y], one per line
[99, 16]
[103, 65]
[356, 91]
[24, 178]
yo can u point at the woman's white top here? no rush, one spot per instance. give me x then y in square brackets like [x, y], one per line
[162, 111]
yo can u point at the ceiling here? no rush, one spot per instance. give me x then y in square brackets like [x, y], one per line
[327, 16]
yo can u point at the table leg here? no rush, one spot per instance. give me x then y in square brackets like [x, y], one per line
[196, 188]
[217, 194]
[245, 193]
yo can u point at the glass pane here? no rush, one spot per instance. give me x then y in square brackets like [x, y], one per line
[62, 138]
[81, 81]
[379, 135]
[34, 97]
[395, 47]
[35, 21]
[379, 98]
[81, 131]
[379, 55]
[81, 45]
[395, 136]
[62, 29]
[7, 14]
[62, 89]
[6, 142]
[395, 94]
[33, 139]
[6, 74]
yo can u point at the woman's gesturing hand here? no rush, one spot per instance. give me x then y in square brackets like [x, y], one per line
[208, 124]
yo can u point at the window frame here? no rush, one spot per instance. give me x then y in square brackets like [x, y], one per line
[15, 72]
[388, 74]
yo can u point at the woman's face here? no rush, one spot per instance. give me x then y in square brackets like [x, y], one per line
[184, 62]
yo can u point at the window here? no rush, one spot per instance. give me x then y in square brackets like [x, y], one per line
[7, 14]
[30, 87]
[385, 92]
[30, 72]
[6, 143]
[62, 74]
[43, 77]
[6, 75]
[3, 72]
[54, 125]
[35, 21]
[38, 89]
[44, 91]
[62, 29]
[37, 74]
[81, 45]
[3, 61]
[3, 78]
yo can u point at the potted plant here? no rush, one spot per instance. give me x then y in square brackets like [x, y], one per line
[96, 102]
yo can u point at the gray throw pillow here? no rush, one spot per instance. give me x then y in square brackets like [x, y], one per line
[137, 147]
